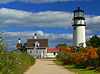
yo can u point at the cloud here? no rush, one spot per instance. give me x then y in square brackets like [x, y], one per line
[17, 18]
[48, 1]
[54, 39]
[90, 36]
[89, 31]
[37, 1]
[6, 1]
[46, 19]
[93, 22]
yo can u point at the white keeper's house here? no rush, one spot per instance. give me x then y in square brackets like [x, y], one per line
[37, 47]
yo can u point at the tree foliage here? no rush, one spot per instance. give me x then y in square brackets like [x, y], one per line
[60, 45]
[66, 49]
[94, 41]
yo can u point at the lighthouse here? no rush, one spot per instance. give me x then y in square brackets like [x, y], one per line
[19, 41]
[79, 28]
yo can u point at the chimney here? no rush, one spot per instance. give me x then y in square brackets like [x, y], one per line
[35, 36]
[19, 41]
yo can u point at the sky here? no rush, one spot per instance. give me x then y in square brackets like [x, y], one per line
[49, 19]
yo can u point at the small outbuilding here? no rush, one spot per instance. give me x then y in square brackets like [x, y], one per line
[52, 53]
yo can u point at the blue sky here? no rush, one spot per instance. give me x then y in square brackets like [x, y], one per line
[90, 6]
[51, 19]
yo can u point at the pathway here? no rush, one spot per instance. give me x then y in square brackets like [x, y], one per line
[47, 66]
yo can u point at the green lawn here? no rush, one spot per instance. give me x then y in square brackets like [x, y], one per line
[77, 69]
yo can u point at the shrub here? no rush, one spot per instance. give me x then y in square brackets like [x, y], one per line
[87, 57]
[15, 62]
[64, 57]
[60, 56]
[98, 68]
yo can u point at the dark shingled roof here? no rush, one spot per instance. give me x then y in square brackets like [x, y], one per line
[19, 45]
[31, 42]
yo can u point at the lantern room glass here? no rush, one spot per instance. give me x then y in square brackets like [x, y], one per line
[79, 14]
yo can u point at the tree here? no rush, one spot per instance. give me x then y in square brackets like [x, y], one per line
[60, 45]
[94, 41]
[66, 49]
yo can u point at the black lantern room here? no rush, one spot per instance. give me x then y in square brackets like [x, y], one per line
[79, 19]
[79, 14]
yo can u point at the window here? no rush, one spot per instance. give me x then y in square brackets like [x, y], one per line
[78, 14]
[36, 51]
[54, 53]
[30, 52]
[37, 44]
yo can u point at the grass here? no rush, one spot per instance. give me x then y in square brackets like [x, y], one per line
[77, 69]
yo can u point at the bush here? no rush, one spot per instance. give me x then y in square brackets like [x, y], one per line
[87, 57]
[64, 57]
[98, 68]
[15, 62]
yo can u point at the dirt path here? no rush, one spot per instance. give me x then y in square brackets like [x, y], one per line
[46, 66]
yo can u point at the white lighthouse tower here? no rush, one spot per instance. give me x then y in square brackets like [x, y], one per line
[79, 28]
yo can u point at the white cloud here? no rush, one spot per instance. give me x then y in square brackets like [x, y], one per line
[93, 22]
[6, 1]
[40, 34]
[90, 36]
[54, 39]
[47, 19]
[38, 1]
[55, 19]
[88, 31]
[16, 18]
[47, 1]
